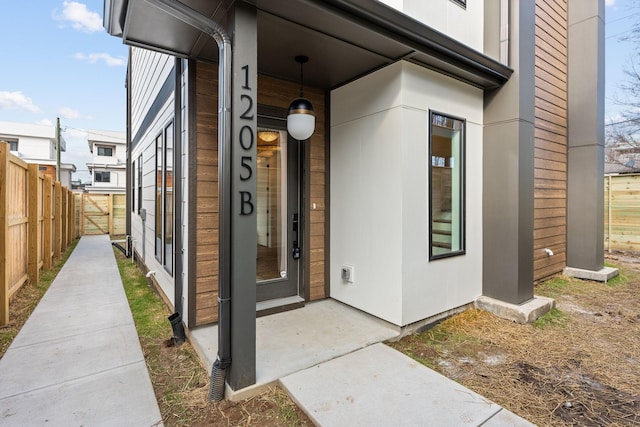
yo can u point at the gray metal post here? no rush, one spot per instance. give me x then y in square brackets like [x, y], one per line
[585, 199]
[508, 169]
[244, 34]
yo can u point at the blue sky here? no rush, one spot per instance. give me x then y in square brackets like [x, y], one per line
[58, 61]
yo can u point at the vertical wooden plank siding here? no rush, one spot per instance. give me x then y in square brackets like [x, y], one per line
[550, 161]
[57, 222]
[47, 231]
[34, 224]
[4, 234]
[271, 92]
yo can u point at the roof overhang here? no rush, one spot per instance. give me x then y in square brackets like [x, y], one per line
[344, 39]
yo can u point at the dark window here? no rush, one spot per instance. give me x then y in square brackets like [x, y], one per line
[105, 151]
[164, 198]
[42, 168]
[168, 198]
[446, 186]
[139, 183]
[102, 176]
[133, 186]
[158, 173]
[13, 145]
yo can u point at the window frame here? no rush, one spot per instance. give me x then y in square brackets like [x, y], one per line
[139, 182]
[101, 174]
[160, 232]
[13, 144]
[133, 186]
[105, 147]
[462, 190]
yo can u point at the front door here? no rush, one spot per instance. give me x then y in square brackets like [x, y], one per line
[279, 229]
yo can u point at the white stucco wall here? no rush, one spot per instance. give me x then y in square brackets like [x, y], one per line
[379, 192]
[463, 24]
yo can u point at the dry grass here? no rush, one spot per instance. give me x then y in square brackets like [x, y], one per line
[578, 365]
[180, 382]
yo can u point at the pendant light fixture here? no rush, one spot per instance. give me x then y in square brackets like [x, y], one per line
[301, 120]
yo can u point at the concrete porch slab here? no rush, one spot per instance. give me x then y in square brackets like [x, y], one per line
[522, 313]
[603, 275]
[379, 386]
[298, 339]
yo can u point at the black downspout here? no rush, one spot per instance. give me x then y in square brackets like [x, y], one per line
[219, 34]
[178, 281]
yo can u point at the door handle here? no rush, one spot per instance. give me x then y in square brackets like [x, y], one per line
[295, 250]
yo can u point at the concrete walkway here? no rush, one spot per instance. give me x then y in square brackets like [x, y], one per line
[77, 360]
[379, 386]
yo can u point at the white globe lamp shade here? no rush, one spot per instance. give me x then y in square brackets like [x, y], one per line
[301, 121]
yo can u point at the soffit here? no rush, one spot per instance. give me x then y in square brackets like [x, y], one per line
[344, 39]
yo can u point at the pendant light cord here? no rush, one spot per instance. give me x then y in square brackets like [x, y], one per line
[301, 79]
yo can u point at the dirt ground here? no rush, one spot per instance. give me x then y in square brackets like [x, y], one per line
[577, 366]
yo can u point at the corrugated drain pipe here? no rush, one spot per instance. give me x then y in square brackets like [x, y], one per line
[219, 34]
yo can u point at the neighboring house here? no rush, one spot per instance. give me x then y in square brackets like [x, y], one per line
[622, 158]
[109, 166]
[36, 144]
[457, 154]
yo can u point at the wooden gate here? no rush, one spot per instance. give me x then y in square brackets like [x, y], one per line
[102, 214]
[95, 213]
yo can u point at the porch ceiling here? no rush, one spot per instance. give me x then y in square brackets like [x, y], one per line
[344, 39]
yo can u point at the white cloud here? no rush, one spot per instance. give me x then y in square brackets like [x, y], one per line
[93, 58]
[46, 122]
[17, 101]
[609, 2]
[70, 113]
[80, 18]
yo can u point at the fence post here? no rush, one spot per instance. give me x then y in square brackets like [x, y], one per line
[609, 220]
[72, 216]
[34, 223]
[4, 235]
[57, 222]
[47, 231]
[63, 217]
[110, 214]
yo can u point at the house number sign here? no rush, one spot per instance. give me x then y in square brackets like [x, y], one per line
[246, 140]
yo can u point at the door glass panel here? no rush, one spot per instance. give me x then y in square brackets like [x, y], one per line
[271, 205]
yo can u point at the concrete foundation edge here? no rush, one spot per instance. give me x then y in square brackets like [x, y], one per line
[603, 275]
[527, 312]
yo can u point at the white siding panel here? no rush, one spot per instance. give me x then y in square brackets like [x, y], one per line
[379, 190]
[463, 24]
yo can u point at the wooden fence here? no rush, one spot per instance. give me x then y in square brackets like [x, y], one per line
[37, 224]
[622, 212]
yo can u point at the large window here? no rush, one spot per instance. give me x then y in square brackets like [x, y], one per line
[102, 176]
[446, 186]
[164, 198]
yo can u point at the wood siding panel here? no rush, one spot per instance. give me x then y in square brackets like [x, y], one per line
[550, 162]
[271, 92]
